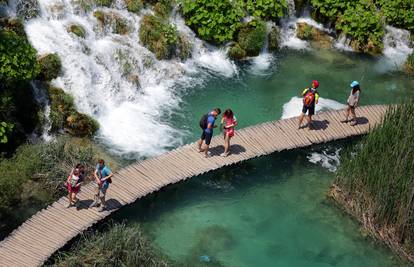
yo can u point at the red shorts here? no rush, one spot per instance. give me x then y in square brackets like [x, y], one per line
[229, 132]
[72, 189]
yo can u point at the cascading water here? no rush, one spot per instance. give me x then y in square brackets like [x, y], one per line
[118, 81]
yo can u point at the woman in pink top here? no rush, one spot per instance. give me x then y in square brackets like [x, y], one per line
[228, 121]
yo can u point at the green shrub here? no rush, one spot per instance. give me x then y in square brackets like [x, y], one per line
[63, 115]
[158, 36]
[363, 24]
[17, 58]
[13, 24]
[379, 178]
[236, 52]
[77, 30]
[399, 13]
[266, 9]
[5, 130]
[252, 37]
[50, 67]
[121, 245]
[215, 20]
[329, 10]
[134, 5]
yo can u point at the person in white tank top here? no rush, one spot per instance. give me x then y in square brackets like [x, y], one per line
[352, 102]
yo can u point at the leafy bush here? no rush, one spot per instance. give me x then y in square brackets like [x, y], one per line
[214, 20]
[266, 9]
[252, 37]
[17, 58]
[236, 52]
[50, 67]
[64, 115]
[379, 179]
[363, 24]
[329, 10]
[121, 245]
[5, 130]
[134, 5]
[77, 30]
[399, 13]
[158, 36]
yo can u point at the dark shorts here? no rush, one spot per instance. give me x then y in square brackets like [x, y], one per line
[311, 109]
[207, 137]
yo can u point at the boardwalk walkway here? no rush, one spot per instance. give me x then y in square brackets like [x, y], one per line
[51, 228]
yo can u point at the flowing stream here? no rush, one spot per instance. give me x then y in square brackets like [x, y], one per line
[265, 212]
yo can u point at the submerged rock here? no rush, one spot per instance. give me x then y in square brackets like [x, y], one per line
[317, 37]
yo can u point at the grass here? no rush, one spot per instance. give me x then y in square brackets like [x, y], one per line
[379, 176]
[121, 245]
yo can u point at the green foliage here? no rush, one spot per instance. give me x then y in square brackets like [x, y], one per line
[12, 24]
[252, 37]
[330, 10]
[236, 52]
[77, 30]
[106, 3]
[17, 58]
[121, 245]
[410, 63]
[379, 176]
[304, 31]
[134, 5]
[399, 13]
[363, 24]
[5, 130]
[50, 67]
[158, 36]
[215, 20]
[64, 115]
[266, 9]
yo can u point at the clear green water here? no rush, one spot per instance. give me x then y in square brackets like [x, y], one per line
[270, 211]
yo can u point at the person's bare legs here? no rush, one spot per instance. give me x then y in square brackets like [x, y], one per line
[348, 108]
[354, 118]
[70, 199]
[200, 144]
[302, 115]
[226, 144]
[310, 121]
[206, 150]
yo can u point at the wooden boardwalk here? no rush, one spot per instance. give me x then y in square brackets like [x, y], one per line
[51, 228]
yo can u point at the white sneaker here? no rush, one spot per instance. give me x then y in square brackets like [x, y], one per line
[224, 154]
[208, 154]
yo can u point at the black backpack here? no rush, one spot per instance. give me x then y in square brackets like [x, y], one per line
[203, 121]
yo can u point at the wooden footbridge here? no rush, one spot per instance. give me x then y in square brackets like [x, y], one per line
[48, 230]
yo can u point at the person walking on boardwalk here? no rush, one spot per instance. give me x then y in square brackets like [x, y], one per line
[310, 99]
[352, 102]
[73, 184]
[103, 176]
[228, 122]
[207, 125]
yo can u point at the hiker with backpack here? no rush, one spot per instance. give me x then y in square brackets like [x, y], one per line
[228, 122]
[352, 102]
[207, 125]
[73, 184]
[103, 176]
[310, 99]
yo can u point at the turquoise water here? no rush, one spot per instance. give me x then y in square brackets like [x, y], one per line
[270, 211]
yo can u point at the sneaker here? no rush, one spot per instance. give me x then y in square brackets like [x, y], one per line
[69, 205]
[101, 209]
[94, 204]
[344, 121]
[353, 123]
[208, 154]
[224, 154]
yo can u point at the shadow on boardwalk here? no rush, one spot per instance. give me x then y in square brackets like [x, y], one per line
[234, 149]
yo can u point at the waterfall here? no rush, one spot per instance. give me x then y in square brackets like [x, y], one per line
[116, 80]
[41, 98]
[291, 8]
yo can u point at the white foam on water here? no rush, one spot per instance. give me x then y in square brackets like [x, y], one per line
[326, 159]
[288, 36]
[342, 43]
[119, 82]
[397, 48]
[293, 108]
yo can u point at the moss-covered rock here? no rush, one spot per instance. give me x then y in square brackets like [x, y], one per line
[50, 67]
[409, 65]
[134, 6]
[13, 24]
[64, 116]
[273, 38]
[185, 47]
[113, 21]
[252, 37]
[100, 16]
[369, 47]
[158, 36]
[236, 52]
[318, 38]
[78, 30]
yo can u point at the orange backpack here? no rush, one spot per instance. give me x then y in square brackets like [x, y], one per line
[309, 97]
